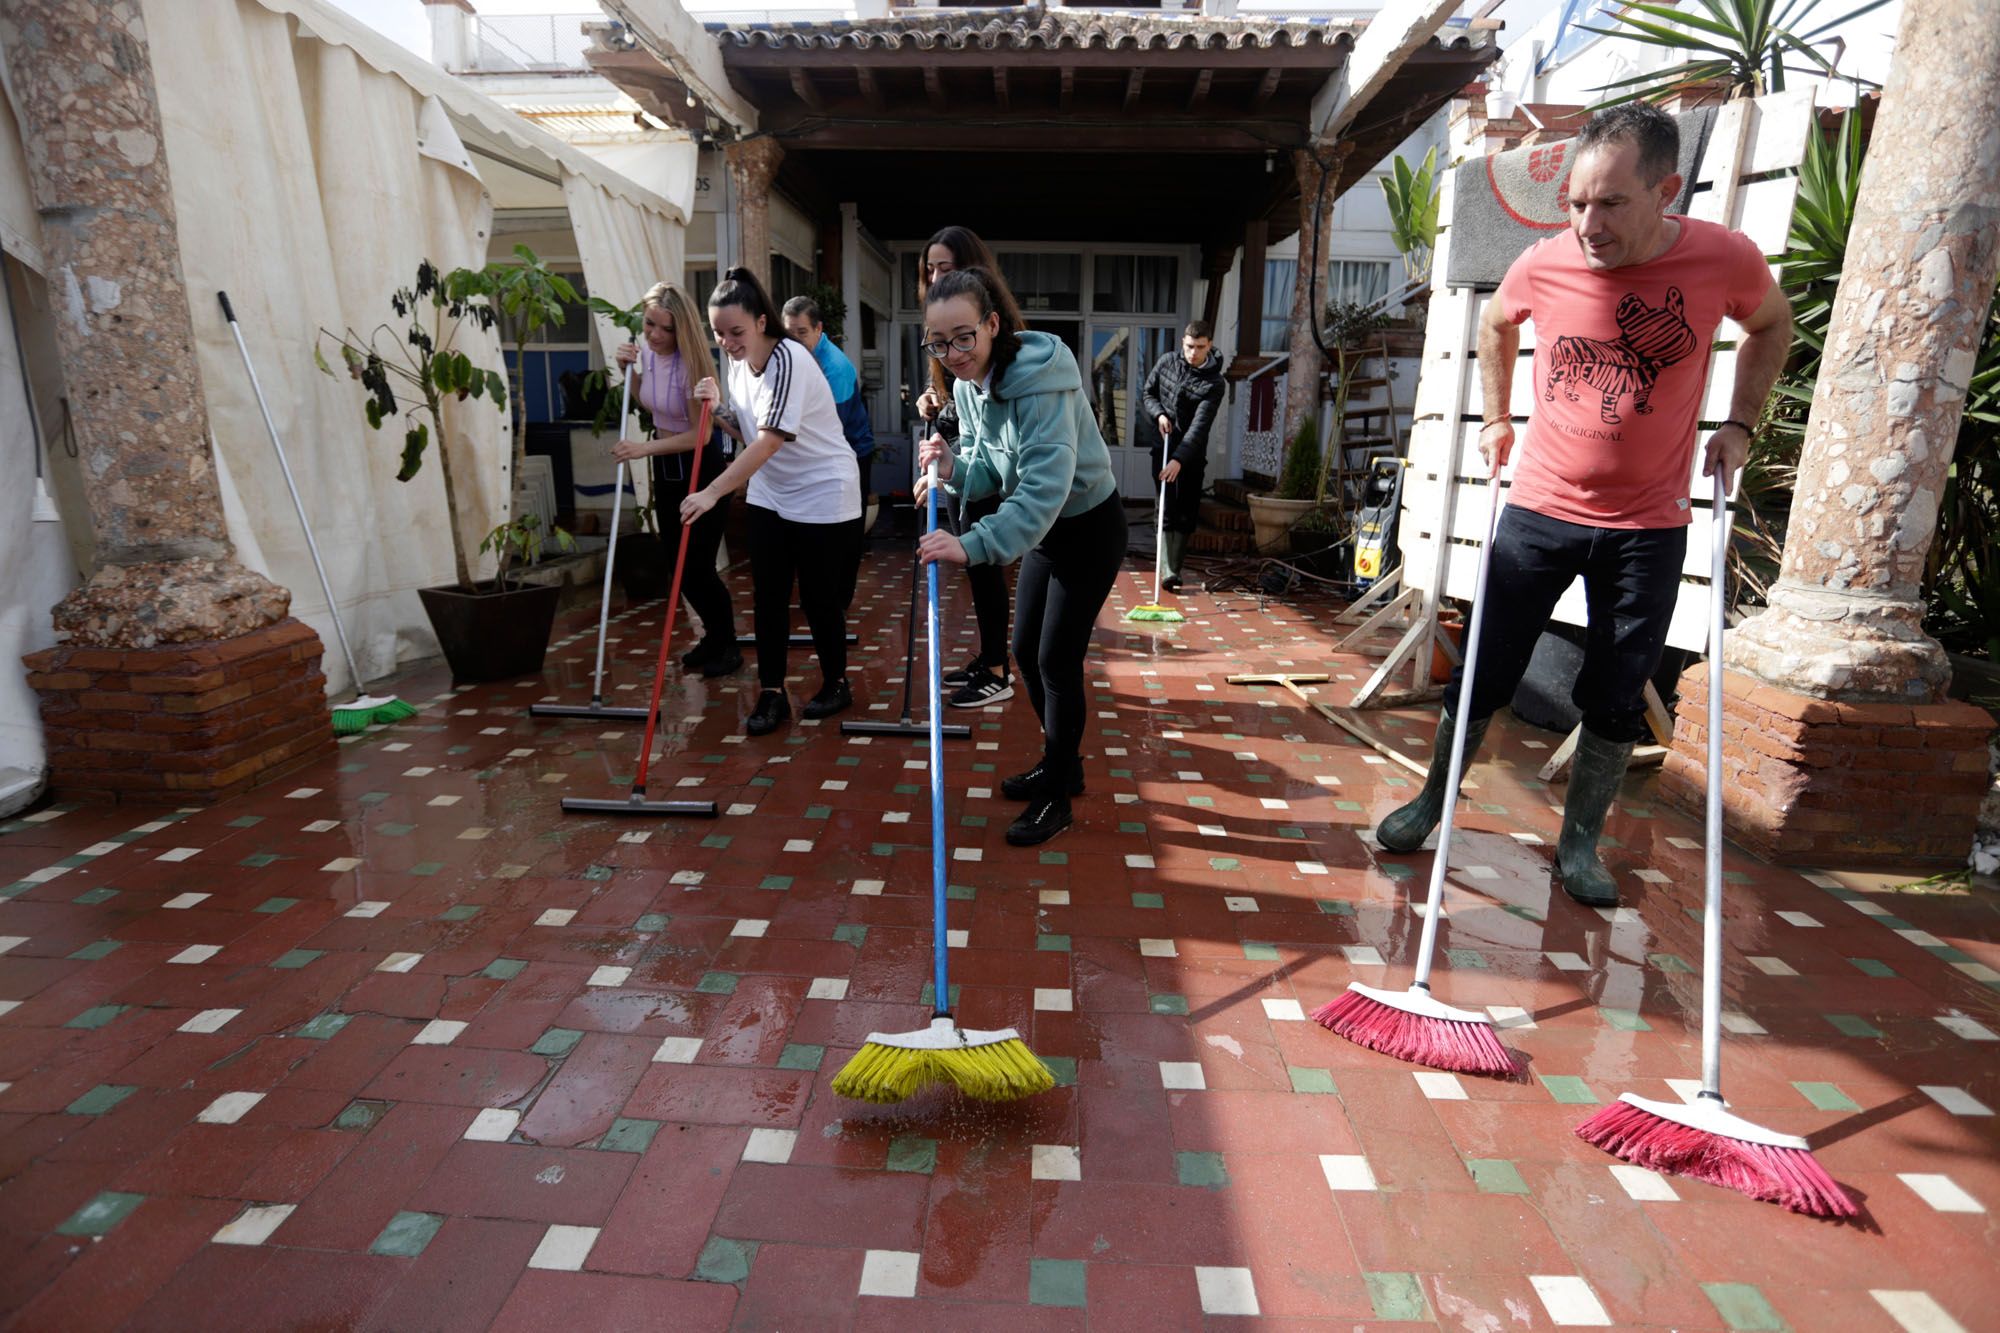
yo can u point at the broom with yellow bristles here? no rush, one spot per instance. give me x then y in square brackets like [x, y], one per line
[992, 1066]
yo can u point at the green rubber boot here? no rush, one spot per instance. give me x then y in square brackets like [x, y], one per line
[1405, 828]
[1594, 777]
[1173, 552]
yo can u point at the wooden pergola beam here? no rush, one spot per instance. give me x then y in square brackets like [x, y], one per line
[1201, 86]
[1000, 86]
[803, 89]
[871, 92]
[1267, 88]
[933, 88]
[1134, 81]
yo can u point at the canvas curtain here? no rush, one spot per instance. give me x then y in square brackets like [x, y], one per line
[309, 185]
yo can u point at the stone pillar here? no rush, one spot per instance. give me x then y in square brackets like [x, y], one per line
[1844, 624]
[166, 580]
[1302, 372]
[753, 165]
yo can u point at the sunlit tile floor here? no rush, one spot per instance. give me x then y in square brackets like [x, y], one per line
[395, 1044]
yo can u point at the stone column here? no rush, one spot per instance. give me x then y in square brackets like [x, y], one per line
[1844, 624]
[753, 165]
[1302, 372]
[166, 582]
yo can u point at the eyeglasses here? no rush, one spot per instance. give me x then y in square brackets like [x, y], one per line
[958, 342]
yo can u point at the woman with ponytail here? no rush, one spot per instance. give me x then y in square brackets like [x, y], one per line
[804, 494]
[673, 359]
[1027, 435]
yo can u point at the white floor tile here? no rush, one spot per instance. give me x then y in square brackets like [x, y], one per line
[1564, 961]
[770, 1145]
[209, 1020]
[1347, 1171]
[369, 908]
[1570, 1301]
[180, 902]
[196, 953]
[1968, 1028]
[563, 1248]
[1182, 1075]
[399, 962]
[1917, 1312]
[1644, 1185]
[1240, 904]
[1941, 1192]
[439, 1032]
[556, 916]
[1798, 919]
[1054, 1161]
[827, 988]
[254, 1225]
[1284, 1011]
[1158, 949]
[1362, 955]
[340, 865]
[868, 888]
[1053, 1000]
[229, 1108]
[1138, 861]
[1440, 1087]
[889, 1273]
[1741, 1024]
[608, 975]
[1955, 1100]
[1510, 1017]
[1773, 967]
[677, 1051]
[1226, 1291]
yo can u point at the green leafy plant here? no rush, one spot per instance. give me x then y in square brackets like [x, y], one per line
[630, 320]
[1412, 197]
[519, 542]
[528, 298]
[832, 307]
[1300, 477]
[1744, 45]
[1345, 326]
[420, 358]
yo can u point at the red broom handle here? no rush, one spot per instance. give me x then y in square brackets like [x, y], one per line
[673, 603]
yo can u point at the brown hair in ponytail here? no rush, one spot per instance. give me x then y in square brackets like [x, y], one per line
[990, 296]
[739, 287]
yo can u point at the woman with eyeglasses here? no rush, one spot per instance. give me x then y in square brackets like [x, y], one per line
[985, 679]
[666, 371]
[1027, 436]
[804, 497]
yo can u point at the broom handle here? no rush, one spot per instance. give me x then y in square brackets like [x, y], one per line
[1711, 913]
[942, 1005]
[611, 551]
[910, 638]
[312, 547]
[673, 604]
[1160, 522]
[1428, 948]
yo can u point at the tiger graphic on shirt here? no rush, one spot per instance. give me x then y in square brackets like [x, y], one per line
[1650, 338]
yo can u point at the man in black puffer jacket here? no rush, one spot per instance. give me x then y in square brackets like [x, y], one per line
[1182, 395]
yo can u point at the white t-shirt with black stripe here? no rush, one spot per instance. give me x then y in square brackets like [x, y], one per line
[811, 478]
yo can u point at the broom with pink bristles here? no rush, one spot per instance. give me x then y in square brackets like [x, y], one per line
[1702, 1140]
[1413, 1024]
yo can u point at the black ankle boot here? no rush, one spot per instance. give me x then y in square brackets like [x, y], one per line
[833, 697]
[1594, 777]
[771, 711]
[1024, 786]
[726, 660]
[1405, 828]
[699, 655]
[1047, 815]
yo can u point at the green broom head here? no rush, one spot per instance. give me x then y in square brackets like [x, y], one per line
[988, 1066]
[352, 718]
[1152, 612]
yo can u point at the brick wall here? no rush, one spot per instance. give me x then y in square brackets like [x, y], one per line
[1817, 782]
[197, 720]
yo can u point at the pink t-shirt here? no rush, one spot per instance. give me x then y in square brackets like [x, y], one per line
[663, 390]
[1621, 357]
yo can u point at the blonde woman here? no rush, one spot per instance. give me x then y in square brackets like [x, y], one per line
[669, 360]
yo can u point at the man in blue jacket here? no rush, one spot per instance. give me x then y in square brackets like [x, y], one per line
[803, 322]
[1181, 396]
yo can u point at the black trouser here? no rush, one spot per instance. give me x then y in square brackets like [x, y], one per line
[823, 558]
[1064, 581]
[989, 595]
[1630, 579]
[707, 595]
[1183, 492]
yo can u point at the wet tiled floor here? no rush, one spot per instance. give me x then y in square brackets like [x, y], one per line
[395, 1044]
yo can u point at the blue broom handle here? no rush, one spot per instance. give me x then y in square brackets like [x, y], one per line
[939, 944]
[1441, 864]
[1711, 915]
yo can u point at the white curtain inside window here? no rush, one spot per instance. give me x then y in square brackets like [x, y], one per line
[1279, 277]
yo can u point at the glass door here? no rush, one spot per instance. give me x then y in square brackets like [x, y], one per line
[1121, 355]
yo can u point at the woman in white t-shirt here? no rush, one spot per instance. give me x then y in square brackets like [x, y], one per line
[804, 500]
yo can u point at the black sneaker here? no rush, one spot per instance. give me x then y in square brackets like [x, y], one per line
[728, 659]
[1045, 817]
[699, 655]
[833, 697]
[771, 711]
[984, 688]
[1172, 583]
[1024, 786]
[959, 679]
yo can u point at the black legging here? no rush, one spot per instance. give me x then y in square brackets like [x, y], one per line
[824, 559]
[989, 596]
[1064, 581]
[1183, 493]
[704, 589]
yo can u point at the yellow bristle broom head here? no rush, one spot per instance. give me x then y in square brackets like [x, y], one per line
[989, 1066]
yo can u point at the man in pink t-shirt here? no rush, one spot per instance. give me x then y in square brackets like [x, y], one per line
[1626, 303]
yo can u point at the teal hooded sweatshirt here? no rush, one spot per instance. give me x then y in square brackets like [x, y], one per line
[1032, 439]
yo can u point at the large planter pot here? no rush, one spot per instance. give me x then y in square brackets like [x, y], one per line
[645, 567]
[1271, 519]
[492, 635]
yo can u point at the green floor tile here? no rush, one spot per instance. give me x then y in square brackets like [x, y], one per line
[246, 821]
[1335, 909]
[1056, 1282]
[322, 1027]
[556, 1041]
[360, 1114]
[1224, 863]
[426, 868]
[852, 933]
[960, 893]
[1496, 1175]
[1568, 1089]
[89, 898]
[629, 1135]
[597, 874]
[504, 969]
[776, 883]
[1306, 1078]
[801, 1055]
[273, 906]
[98, 1100]
[1396, 869]
[395, 830]
[1062, 1067]
[1743, 1307]
[1669, 962]
[1625, 1020]
[1131, 826]
[913, 1155]
[1205, 802]
[462, 912]
[1052, 944]
[1871, 967]
[292, 959]
[725, 1260]
[1150, 900]
[1204, 1169]
[96, 1016]
[1826, 1097]
[90, 953]
[1257, 951]
[1167, 1004]
[258, 860]
[1397, 1296]
[717, 983]
[716, 841]
[1850, 1025]
[407, 1234]
[101, 1214]
[929, 995]
[1054, 859]
[1471, 958]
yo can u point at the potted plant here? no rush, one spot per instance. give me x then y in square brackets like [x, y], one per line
[488, 629]
[1412, 197]
[1272, 516]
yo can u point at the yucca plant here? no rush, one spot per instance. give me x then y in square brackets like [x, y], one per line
[1745, 45]
[1412, 197]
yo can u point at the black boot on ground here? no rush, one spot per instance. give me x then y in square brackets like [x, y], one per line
[772, 710]
[1048, 810]
[1594, 777]
[833, 697]
[724, 659]
[1405, 828]
[1025, 786]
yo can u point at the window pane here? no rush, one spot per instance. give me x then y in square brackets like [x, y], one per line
[1044, 282]
[1279, 276]
[1142, 284]
[1110, 381]
[1357, 281]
